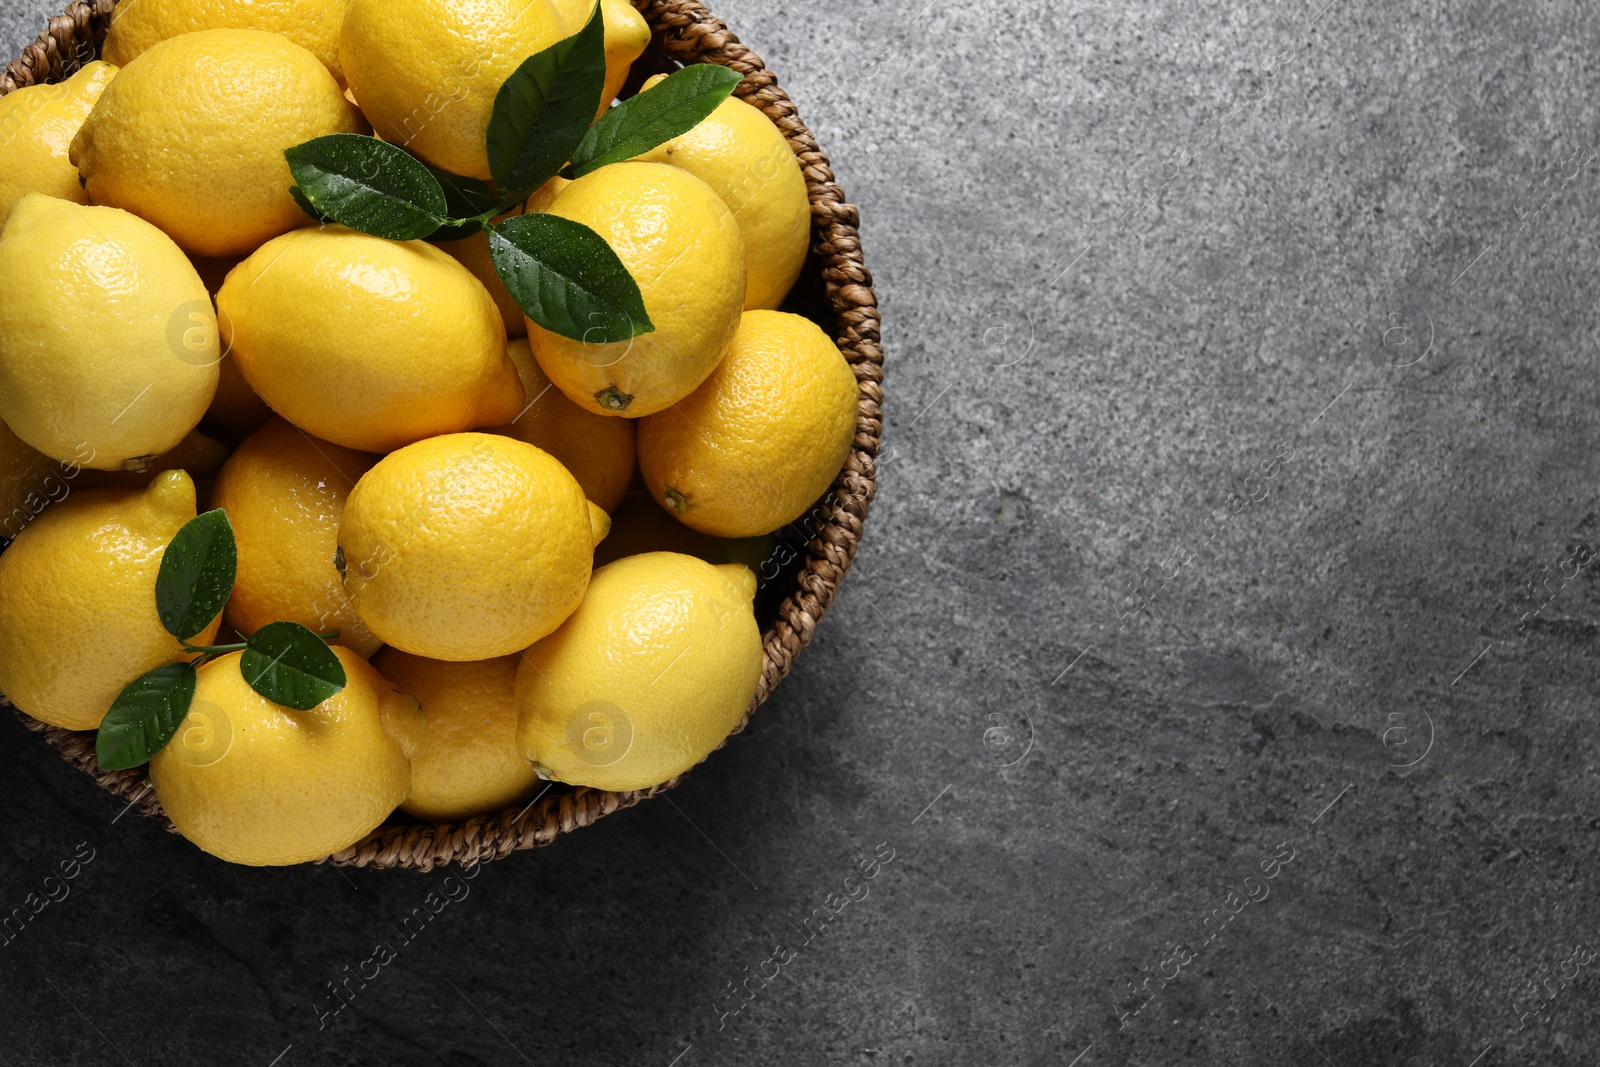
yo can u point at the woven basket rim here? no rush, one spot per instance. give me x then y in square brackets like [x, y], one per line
[686, 31]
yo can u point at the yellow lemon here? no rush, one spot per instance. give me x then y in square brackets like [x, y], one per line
[78, 618]
[236, 412]
[746, 159]
[37, 125]
[545, 195]
[284, 492]
[682, 246]
[596, 449]
[30, 481]
[191, 136]
[257, 783]
[108, 344]
[314, 25]
[627, 36]
[196, 455]
[468, 763]
[762, 439]
[214, 270]
[640, 525]
[468, 546]
[648, 677]
[427, 71]
[368, 343]
[473, 253]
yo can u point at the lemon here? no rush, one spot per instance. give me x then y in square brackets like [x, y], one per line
[284, 492]
[196, 455]
[468, 763]
[739, 153]
[627, 36]
[314, 25]
[78, 617]
[682, 246]
[257, 783]
[236, 412]
[467, 546]
[214, 270]
[191, 136]
[626, 39]
[649, 676]
[427, 71]
[30, 481]
[640, 525]
[597, 450]
[108, 344]
[37, 125]
[368, 343]
[542, 197]
[472, 252]
[762, 439]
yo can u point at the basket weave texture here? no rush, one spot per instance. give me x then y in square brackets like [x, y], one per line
[688, 33]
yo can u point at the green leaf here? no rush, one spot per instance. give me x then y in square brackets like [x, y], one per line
[470, 199]
[368, 185]
[290, 665]
[197, 574]
[567, 279]
[544, 109]
[145, 717]
[675, 106]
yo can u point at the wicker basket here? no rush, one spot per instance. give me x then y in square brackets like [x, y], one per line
[836, 289]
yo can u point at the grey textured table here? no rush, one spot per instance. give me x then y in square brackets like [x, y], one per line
[1219, 669]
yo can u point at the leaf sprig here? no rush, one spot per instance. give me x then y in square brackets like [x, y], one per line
[283, 661]
[561, 273]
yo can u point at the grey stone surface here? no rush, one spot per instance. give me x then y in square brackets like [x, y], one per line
[1237, 504]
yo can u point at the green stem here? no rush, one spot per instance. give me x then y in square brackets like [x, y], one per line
[493, 213]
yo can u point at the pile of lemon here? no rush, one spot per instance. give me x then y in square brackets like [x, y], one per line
[211, 391]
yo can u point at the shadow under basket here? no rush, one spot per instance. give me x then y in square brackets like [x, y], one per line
[814, 554]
